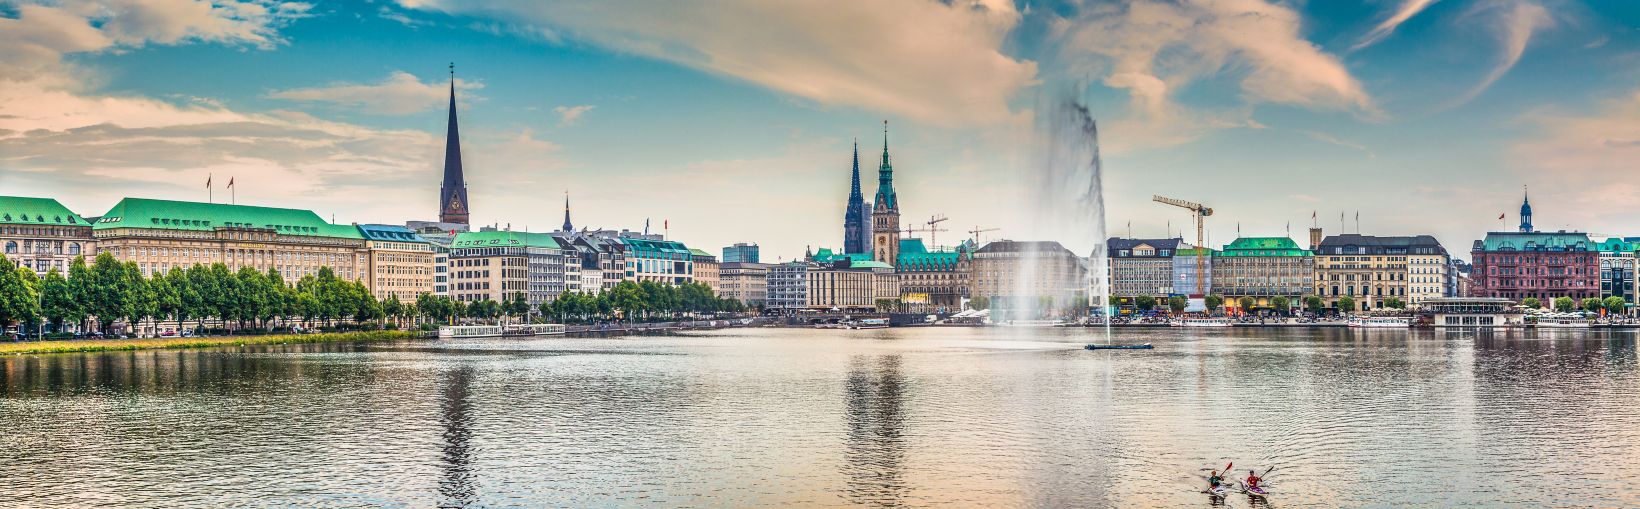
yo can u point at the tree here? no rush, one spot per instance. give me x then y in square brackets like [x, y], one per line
[518, 305]
[1246, 304]
[19, 294]
[1395, 303]
[56, 299]
[1314, 304]
[886, 305]
[1592, 305]
[1145, 302]
[1346, 304]
[1615, 305]
[979, 302]
[1531, 302]
[1214, 301]
[1177, 304]
[138, 302]
[1564, 304]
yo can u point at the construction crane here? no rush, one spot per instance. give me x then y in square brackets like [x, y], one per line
[933, 228]
[1200, 212]
[977, 230]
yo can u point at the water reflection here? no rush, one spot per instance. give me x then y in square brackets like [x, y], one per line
[874, 455]
[456, 487]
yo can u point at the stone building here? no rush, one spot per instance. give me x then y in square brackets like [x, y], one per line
[1529, 263]
[1017, 278]
[1372, 269]
[1141, 267]
[885, 211]
[41, 234]
[1262, 268]
[857, 220]
[933, 281]
[787, 286]
[746, 282]
[1617, 264]
[850, 285]
[161, 234]
[401, 264]
[499, 265]
[661, 261]
[706, 269]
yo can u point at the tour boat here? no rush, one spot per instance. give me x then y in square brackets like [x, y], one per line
[869, 323]
[1563, 322]
[1202, 322]
[1034, 323]
[491, 331]
[1382, 322]
[532, 329]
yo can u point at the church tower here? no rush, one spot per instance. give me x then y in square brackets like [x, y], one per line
[857, 218]
[452, 195]
[1525, 212]
[885, 212]
[568, 227]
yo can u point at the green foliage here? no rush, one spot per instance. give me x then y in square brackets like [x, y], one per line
[19, 294]
[1145, 302]
[1214, 301]
[1615, 305]
[1346, 304]
[1246, 303]
[1592, 305]
[1395, 303]
[1177, 304]
[979, 302]
[1564, 304]
[1531, 302]
[1281, 304]
[1314, 304]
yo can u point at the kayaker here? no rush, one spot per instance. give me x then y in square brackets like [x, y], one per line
[1252, 479]
[1213, 481]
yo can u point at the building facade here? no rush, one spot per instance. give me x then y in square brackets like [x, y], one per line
[161, 234]
[661, 261]
[933, 281]
[746, 282]
[706, 269]
[1262, 268]
[400, 264]
[787, 286]
[1371, 270]
[857, 218]
[1528, 263]
[741, 252]
[885, 211]
[41, 234]
[500, 265]
[1142, 267]
[1617, 264]
[1017, 278]
[849, 285]
[1185, 271]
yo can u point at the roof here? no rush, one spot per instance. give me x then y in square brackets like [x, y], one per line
[1031, 246]
[37, 211]
[868, 264]
[194, 216]
[389, 232]
[1264, 246]
[826, 255]
[1195, 251]
[1615, 245]
[1382, 245]
[469, 240]
[1536, 241]
[915, 257]
[699, 254]
[645, 246]
[1117, 244]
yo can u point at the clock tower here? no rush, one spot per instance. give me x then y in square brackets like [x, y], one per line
[885, 212]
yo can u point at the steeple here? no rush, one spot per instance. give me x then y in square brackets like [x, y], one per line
[857, 217]
[885, 178]
[885, 213]
[854, 186]
[452, 195]
[1525, 211]
[567, 226]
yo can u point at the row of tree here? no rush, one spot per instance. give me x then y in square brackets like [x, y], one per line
[647, 300]
[1613, 304]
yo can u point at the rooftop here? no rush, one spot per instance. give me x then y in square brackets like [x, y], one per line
[389, 232]
[1264, 246]
[194, 216]
[470, 240]
[37, 211]
[1535, 241]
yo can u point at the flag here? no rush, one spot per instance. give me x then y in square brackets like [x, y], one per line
[1312, 214]
[230, 181]
[1500, 216]
[207, 181]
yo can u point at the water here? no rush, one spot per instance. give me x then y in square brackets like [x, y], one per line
[1070, 196]
[947, 417]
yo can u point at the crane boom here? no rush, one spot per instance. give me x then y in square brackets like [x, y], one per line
[1200, 212]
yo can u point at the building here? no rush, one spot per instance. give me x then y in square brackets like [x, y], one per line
[452, 193]
[400, 264]
[1528, 263]
[741, 252]
[1185, 270]
[440, 235]
[1021, 278]
[41, 234]
[661, 261]
[1371, 270]
[933, 281]
[851, 285]
[885, 211]
[787, 286]
[161, 234]
[1262, 268]
[706, 269]
[1474, 312]
[857, 217]
[1142, 267]
[746, 282]
[499, 265]
[591, 264]
[1617, 264]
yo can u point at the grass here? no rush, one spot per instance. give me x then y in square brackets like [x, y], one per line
[111, 345]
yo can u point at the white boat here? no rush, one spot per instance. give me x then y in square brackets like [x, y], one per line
[533, 329]
[1202, 322]
[468, 331]
[1563, 322]
[869, 323]
[1381, 322]
[1033, 323]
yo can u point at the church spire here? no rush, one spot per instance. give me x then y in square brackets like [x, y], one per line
[854, 185]
[567, 226]
[885, 178]
[1525, 211]
[453, 206]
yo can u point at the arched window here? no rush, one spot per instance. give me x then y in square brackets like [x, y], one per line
[74, 248]
[11, 247]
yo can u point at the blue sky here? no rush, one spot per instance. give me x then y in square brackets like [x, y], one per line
[732, 120]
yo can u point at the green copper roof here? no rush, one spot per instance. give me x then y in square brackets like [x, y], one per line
[1195, 251]
[654, 247]
[826, 255]
[1615, 245]
[195, 216]
[1264, 246]
[389, 232]
[1538, 241]
[503, 239]
[698, 252]
[915, 257]
[868, 264]
[37, 211]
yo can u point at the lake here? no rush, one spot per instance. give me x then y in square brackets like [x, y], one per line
[912, 417]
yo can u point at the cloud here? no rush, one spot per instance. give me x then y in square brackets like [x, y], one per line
[400, 93]
[1582, 148]
[1334, 140]
[1152, 50]
[569, 115]
[1404, 12]
[388, 13]
[1514, 23]
[937, 62]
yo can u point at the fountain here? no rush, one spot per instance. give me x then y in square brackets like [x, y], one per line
[1069, 197]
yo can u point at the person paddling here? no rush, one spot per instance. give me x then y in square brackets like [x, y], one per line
[1253, 479]
[1213, 481]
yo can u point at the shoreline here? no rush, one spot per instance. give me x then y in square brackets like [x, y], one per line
[120, 345]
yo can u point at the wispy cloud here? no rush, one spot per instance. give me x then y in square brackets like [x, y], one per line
[1403, 12]
[400, 93]
[1334, 140]
[940, 62]
[1513, 22]
[569, 115]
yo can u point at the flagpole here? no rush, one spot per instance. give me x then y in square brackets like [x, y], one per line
[210, 190]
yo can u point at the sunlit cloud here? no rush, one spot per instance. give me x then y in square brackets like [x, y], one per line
[1405, 11]
[400, 93]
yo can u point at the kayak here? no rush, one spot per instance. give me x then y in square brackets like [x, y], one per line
[1218, 491]
[1145, 346]
[1255, 491]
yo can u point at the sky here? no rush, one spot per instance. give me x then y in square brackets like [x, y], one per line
[733, 120]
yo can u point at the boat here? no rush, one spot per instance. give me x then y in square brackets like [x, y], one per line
[1202, 322]
[469, 331]
[532, 329]
[869, 323]
[1219, 491]
[1381, 322]
[1033, 323]
[1563, 321]
[1254, 491]
[1145, 346]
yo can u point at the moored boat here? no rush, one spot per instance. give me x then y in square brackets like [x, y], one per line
[1203, 322]
[1381, 322]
